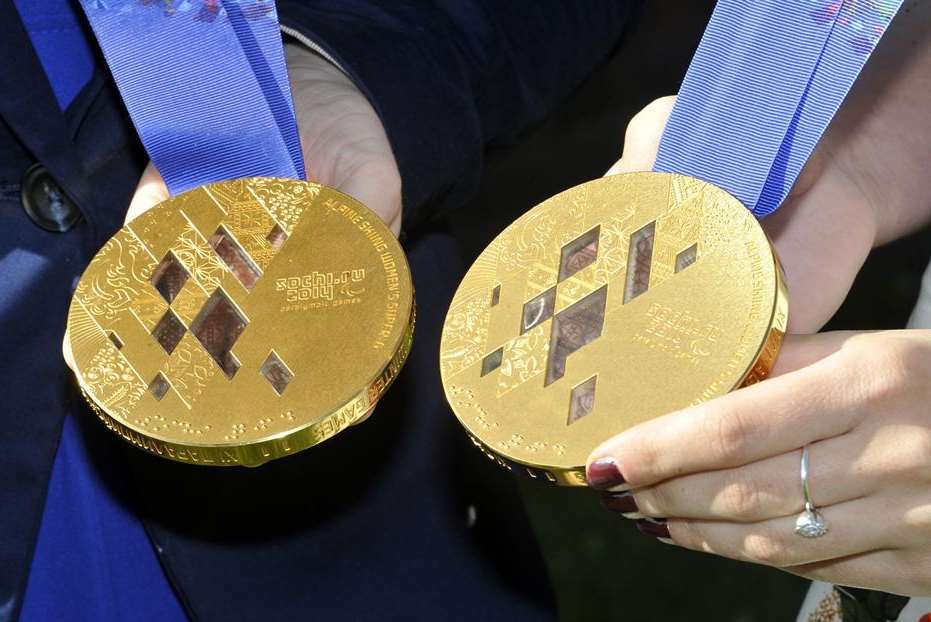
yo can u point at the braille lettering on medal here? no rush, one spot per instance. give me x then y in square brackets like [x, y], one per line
[612, 303]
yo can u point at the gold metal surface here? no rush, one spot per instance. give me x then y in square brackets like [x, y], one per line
[612, 303]
[242, 321]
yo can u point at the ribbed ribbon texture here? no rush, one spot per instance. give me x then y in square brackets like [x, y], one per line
[206, 85]
[765, 82]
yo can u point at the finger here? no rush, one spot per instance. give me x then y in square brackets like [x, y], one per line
[150, 191]
[67, 353]
[378, 188]
[854, 527]
[766, 489]
[887, 570]
[800, 351]
[641, 141]
[770, 418]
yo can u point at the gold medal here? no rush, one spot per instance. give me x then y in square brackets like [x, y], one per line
[612, 303]
[242, 321]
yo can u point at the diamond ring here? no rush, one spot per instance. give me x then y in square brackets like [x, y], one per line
[810, 523]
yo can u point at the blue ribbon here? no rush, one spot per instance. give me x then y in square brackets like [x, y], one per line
[206, 85]
[765, 82]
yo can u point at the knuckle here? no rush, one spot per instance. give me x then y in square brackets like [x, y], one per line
[767, 549]
[655, 502]
[741, 499]
[689, 535]
[728, 434]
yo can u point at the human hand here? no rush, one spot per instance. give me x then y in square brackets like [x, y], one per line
[865, 184]
[725, 474]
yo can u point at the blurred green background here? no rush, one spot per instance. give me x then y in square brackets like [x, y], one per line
[600, 565]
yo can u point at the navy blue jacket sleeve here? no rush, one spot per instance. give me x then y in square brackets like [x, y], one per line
[449, 76]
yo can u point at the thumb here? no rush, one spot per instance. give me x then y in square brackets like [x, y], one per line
[150, 191]
[641, 141]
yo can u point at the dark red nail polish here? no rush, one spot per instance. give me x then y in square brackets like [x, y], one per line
[654, 527]
[621, 502]
[603, 474]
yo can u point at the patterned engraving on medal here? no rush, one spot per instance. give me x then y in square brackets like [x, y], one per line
[169, 331]
[538, 310]
[276, 372]
[198, 257]
[464, 333]
[285, 202]
[189, 301]
[218, 325]
[121, 283]
[247, 220]
[169, 277]
[235, 258]
[159, 386]
[188, 370]
[639, 262]
[113, 382]
[582, 400]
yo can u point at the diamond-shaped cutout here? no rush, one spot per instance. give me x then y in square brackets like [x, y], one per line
[276, 372]
[169, 277]
[686, 258]
[582, 400]
[538, 310]
[276, 237]
[115, 340]
[159, 386]
[496, 295]
[218, 325]
[169, 331]
[235, 258]
[579, 253]
[492, 362]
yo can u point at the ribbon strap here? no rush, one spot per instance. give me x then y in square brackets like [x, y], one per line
[206, 85]
[768, 77]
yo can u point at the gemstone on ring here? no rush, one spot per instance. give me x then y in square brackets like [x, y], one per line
[810, 524]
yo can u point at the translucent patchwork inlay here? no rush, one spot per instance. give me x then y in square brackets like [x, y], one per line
[159, 386]
[573, 328]
[579, 254]
[169, 331]
[218, 325]
[538, 310]
[582, 400]
[639, 262]
[169, 277]
[276, 372]
[492, 361]
[235, 258]
[686, 258]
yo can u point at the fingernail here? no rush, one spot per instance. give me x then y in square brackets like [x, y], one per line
[656, 528]
[603, 474]
[622, 503]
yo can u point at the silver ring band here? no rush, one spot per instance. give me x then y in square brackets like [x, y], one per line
[810, 523]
